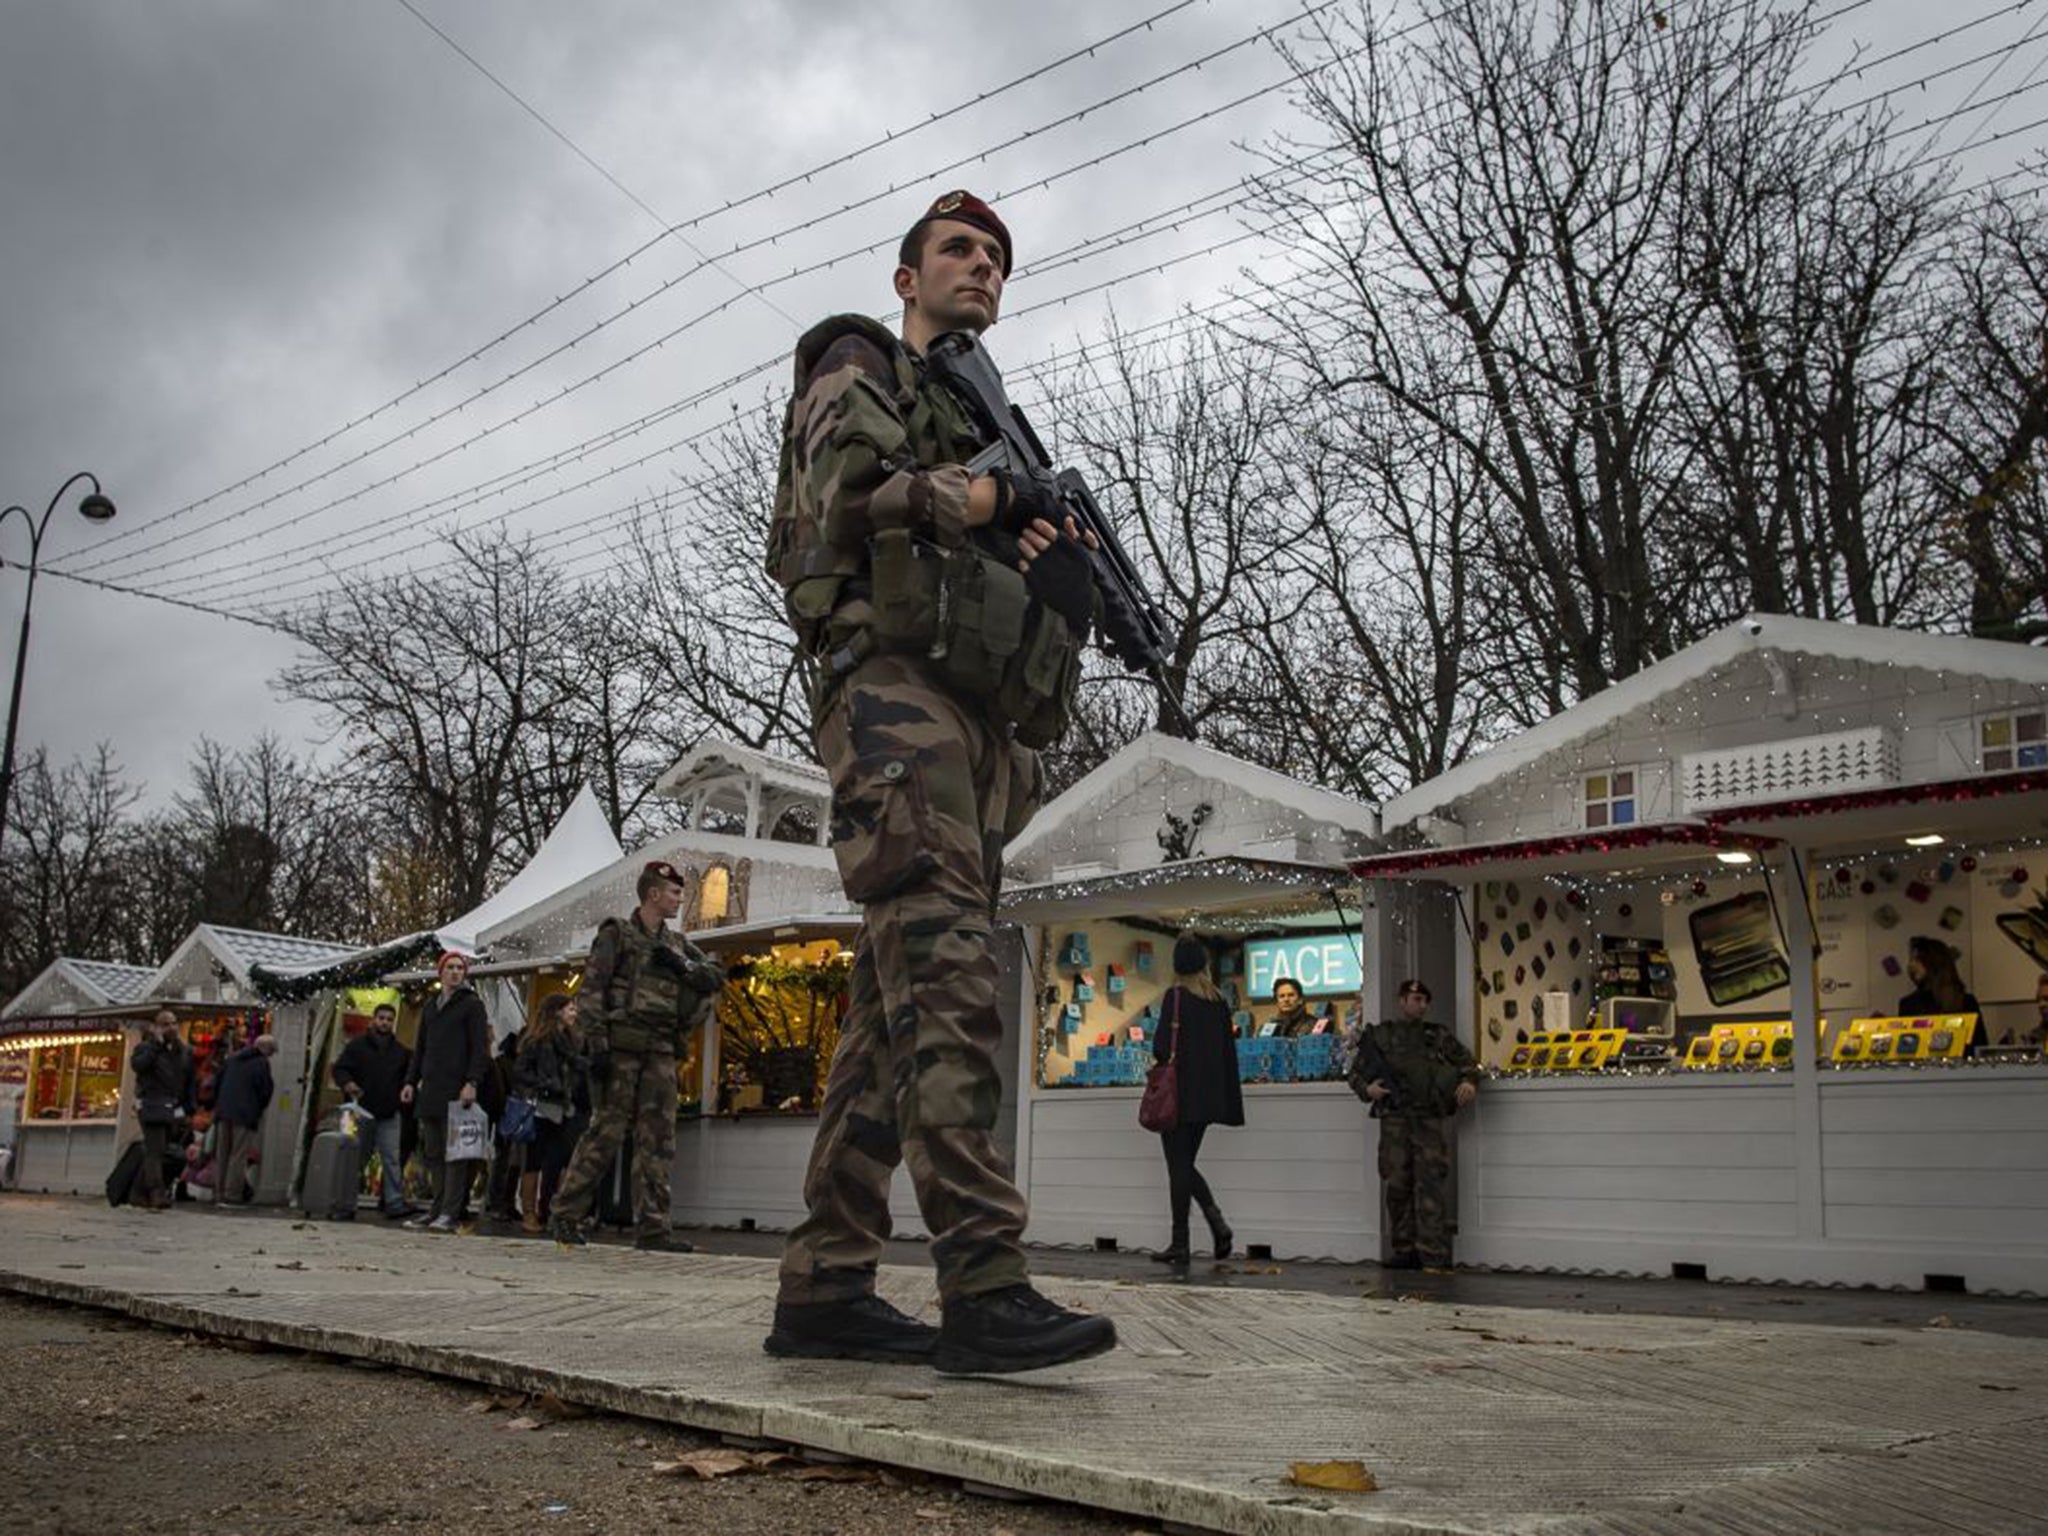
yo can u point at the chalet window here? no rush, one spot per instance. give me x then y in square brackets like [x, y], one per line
[1610, 798]
[2017, 740]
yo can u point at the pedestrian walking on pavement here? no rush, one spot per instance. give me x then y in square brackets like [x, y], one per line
[164, 1104]
[550, 1074]
[1194, 1034]
[244, 1094]
[452, 1056]
[647, 988]
[371, 1073]
[508, 1158]
[1416, 1075]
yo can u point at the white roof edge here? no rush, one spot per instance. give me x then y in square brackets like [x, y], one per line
[1755, 633]
[808, 855]
[1309, 799]
[793, 772]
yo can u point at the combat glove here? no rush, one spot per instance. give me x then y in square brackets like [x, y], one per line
[1023, 498]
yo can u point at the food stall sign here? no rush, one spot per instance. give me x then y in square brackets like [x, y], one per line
[1324, 964]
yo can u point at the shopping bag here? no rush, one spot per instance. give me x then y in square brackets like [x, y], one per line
[469, 1133]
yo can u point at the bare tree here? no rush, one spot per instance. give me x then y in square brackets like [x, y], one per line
[62, 869]
[1991, 477]
[457, 692]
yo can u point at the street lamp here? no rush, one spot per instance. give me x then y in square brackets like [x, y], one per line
[94, 508]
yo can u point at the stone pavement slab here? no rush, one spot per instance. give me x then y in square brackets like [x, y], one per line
[1473, 1419]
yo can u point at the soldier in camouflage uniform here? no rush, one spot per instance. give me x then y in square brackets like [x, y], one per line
[936, 670]
[1428, 1076]
[644, 989]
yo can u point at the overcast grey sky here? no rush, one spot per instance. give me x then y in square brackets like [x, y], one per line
[230, 228]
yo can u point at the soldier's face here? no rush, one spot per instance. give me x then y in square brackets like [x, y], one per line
[666, 899]
[1414, 1004]
[958, 285]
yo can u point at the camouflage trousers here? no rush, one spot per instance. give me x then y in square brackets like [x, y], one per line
[639, 1100]
[1415, 1177]
[924, 794]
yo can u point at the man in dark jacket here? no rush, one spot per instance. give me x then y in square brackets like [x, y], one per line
[453, 1054]
[371, 1071]
[1420, 1076]
[163, 1103]
[238, 1106]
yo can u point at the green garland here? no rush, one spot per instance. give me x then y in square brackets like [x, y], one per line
[364, 968]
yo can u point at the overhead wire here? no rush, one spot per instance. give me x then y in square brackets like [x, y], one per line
[887, 140]
[714, 310]
[1128, 277]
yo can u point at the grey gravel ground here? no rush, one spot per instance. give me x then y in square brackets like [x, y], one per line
[114, 1426]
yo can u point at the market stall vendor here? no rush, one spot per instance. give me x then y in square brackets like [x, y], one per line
[1938, 986]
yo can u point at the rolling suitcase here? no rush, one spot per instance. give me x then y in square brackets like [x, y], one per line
[334, 1177]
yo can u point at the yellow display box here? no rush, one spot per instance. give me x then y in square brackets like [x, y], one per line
[1936, 1037]
[1567, 1050]
[1733, 1047]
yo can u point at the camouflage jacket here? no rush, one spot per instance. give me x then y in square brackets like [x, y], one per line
[634, 999]
[868, 445]
[1427, 1061]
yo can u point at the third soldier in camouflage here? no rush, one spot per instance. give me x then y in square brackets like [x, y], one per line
[943, 616]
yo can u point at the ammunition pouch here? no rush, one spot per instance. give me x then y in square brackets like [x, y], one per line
[973, 616]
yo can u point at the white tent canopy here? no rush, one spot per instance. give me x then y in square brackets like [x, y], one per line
[581, 844]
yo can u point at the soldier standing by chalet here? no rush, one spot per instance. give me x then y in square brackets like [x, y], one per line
[645, 987]
[943, 615]
[1417, 1075]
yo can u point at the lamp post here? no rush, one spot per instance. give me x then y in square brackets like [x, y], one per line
[94, 508]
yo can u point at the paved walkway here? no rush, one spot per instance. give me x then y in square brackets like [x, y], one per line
[1473, 1419]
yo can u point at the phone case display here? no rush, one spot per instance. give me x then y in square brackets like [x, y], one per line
[1571, 1050]
[1736, 945]
[1317, 1057]
[1941, 1037]
[1728, 1047]
[1075, 950]
[1110, 1065]
[1115, 977]
[1626, 967]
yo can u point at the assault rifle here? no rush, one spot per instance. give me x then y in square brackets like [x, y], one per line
[1133, 630]
[1369, 1065]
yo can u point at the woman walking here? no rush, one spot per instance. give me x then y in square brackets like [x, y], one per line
[1194, 1034]
[550, 1073]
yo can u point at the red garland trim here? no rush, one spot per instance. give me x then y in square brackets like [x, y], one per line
[1610, 841]
[1941, 792]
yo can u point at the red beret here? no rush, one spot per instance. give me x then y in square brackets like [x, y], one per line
[664, 869]
[964, 208]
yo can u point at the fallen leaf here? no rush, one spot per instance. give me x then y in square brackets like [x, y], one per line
[709, 1464]
[522, 1422]
[1344, 1476]
[1943, 1321]
[506, 1401]
[289, 1264]
[935, 1514]
[549, 1406]
[836, 1475]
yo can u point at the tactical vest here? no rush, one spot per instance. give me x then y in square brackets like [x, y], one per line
[966, 608]
[646, 1006]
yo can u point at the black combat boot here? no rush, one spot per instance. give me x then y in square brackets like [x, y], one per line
[662, 1242]
[1219, 1229]
[569, 1234]
[1015, 1329]
[867, 1328]
[1176, 1251]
